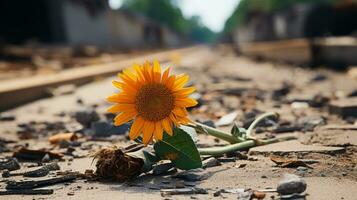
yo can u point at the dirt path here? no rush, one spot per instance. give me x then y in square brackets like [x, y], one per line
[226, 83]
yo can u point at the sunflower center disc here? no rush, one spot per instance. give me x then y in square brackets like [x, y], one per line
[154, 102]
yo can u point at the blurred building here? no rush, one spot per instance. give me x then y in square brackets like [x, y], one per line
[81, 22]
[302, 20]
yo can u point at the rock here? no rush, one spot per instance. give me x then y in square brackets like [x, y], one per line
[318, 77]
[106, 129]
[258, 195]
[181, 191]
[242, 193]
[6, 173]
[217, 193]
[227, 119]
[162, 168]
[210, 162]
[86, 117]
[192, 175]
[46, 158]
[231, 159]
[291, 184]
[9, 164]
[7, 117]
[309, 123]
[179, 184]
[344, 107]
[277, 94]
[209, 123]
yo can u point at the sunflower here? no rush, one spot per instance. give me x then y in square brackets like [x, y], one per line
[155, 101]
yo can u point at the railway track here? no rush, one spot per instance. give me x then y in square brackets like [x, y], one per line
[20, 91]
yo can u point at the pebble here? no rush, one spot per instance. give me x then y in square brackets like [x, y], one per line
[179, 184]
[217, 193]
[192, 175]
[210, 162]
[86, 117]
[162, 168]
[10, 164]
[106, 129]
[7, 117]
[291, 184]
[46, 158]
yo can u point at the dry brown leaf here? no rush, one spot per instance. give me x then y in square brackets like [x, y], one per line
[55, 139]
[288, 162]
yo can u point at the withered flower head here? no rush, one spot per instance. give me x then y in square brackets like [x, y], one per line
[122, 164]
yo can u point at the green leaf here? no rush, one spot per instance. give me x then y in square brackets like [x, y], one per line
[239, 133]
[191, 131]
[180, 149]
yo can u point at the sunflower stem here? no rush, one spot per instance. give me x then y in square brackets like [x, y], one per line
[217, 133]
[257, 121]
[217, 151]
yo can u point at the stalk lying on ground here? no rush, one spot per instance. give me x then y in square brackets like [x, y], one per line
[237, 143]
[216, 151]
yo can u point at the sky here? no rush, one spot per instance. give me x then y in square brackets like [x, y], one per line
[213, 13]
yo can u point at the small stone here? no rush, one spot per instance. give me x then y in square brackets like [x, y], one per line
[258, 195]
[7, 117]
[291, 184]
[70, 193]
[309, 123]
[162, 168]
[46, 158]
[231, 159]
[344, 107]
[210, 162]
[179, 184]
[10, 164]
[86, 117]
[190, 183]
[217, 193]
[6, 173]
[251, 158]
[301, 168]
[192, 175]
[227, 119]
[209, 123]
[263, 176]
[105, 129]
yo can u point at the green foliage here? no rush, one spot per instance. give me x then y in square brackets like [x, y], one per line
[169, 14]
[239, 15]
[239, 133]
[180, 149]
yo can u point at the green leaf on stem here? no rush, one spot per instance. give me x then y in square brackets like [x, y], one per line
[180, 149]
[239, 133]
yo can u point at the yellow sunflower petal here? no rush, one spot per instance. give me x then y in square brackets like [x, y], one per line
[167, 126]
[173, 119]
[119, 98]
[178, 111]
[158, 134]
[181, 81]
[183, 92]
[123, 118]
[136, 128]
[148, 131]
[186, 102]
[170, 82]
[122, 108]
[165, 75]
